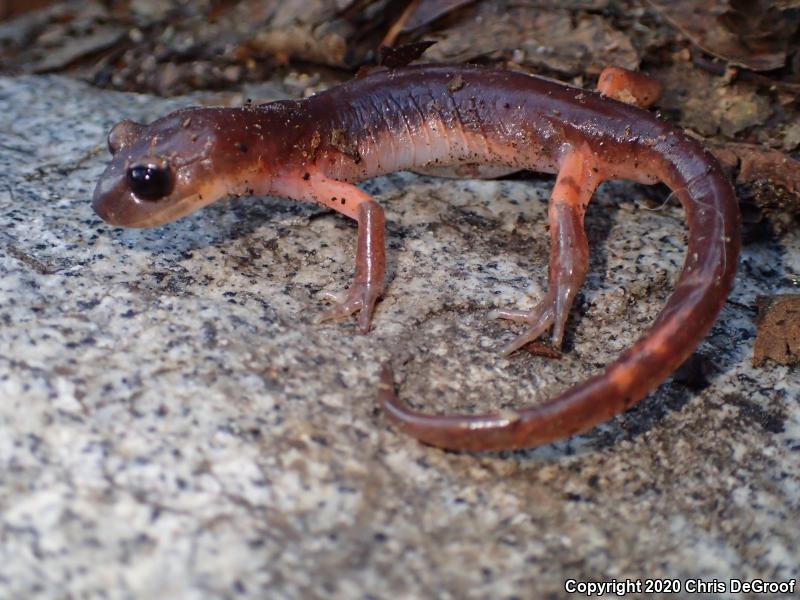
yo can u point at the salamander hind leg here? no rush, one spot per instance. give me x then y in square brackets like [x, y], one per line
[353, 202]
[577, 179]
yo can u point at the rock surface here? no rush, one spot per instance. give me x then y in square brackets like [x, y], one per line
[173, 424]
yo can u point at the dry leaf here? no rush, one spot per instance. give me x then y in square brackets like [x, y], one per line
[778, 336]
[711, 105]
[430, 10]
[752, 34]
[555, 40]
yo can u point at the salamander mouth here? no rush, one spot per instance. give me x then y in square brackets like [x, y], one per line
[116, 205]
[111, 214]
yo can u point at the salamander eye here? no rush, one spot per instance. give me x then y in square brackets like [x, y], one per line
[149, 181]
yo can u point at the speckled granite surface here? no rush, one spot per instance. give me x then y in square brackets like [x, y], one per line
[174, 425]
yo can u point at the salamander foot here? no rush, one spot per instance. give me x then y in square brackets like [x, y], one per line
[540, 319]
[359, 297]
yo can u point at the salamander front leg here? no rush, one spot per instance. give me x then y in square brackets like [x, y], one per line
[355, 203]
[569, 251]
[368, 283]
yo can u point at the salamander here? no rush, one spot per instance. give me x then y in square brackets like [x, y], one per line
[476, 121]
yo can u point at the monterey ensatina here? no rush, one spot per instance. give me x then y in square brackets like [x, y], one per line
[472, 121]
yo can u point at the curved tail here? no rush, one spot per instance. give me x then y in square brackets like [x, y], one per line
[713, 221]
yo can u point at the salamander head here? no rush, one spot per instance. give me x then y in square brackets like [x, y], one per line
[168, 169]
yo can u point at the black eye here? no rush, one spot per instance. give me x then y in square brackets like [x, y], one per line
[150, 182]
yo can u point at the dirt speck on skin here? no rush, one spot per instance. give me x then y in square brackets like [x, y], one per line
[341, 141]
[778, 336]
[456, 83]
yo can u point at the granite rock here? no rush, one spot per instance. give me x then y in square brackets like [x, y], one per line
[173, 423]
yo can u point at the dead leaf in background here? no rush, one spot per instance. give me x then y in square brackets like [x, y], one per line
[540, 38]
[791, 135]
[12, 8]
[564, 4]
[722, 107]
[770, 180]
[751, 34]
[325, 44]
[394, 31]
[756, 163]
[288, 13]
[717, 67]
[739, 108]
[74, 48]
[427, 11]
[400, 56]
[305, 30]
[419, 13]
[778, 336]
[54, 37]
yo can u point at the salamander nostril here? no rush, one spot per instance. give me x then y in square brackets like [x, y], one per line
[149, 181]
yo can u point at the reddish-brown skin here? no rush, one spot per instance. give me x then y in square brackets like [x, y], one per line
[468, 121]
